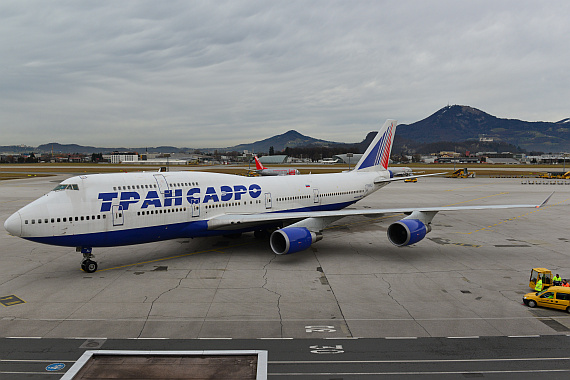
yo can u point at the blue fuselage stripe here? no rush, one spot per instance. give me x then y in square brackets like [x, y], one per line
[131, 236]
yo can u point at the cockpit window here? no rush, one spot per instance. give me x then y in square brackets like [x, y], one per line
[66, 187]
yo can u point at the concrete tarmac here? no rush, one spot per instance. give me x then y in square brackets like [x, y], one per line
[465, 279]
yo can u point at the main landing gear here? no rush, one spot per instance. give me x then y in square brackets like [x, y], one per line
[87, 265]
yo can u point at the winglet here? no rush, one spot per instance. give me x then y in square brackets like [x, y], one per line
[545, 201]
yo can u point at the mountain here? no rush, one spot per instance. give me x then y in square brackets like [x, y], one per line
[291, 139]
[451, 124]
[460, 123]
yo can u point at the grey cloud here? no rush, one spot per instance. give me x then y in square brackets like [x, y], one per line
[206, 73]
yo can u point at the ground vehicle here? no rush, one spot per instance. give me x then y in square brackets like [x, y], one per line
[545, 275]
[556, 297]
[462, 173]
[555, 175]
[411, 180]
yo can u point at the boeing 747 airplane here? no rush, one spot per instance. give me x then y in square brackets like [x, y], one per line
[105, 210]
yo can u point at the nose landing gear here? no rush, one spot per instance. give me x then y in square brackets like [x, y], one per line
[87, 265]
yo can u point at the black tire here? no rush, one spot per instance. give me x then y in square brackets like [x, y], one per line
[568, 309]
[89, 266]
[531, 303]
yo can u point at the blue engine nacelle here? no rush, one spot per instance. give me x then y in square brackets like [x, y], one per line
[407, 231]
[292, 239]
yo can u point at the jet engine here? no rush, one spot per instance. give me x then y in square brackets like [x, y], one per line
[407, 231]
[292, 239]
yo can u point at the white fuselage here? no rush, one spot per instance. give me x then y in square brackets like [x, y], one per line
[131, 208]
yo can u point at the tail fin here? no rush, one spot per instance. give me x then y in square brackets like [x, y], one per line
[377, 155]
[258, 165]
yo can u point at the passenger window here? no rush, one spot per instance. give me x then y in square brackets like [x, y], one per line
[82, 218]
[25, 222]
[547, 295]
[33, 221]
[563, 296]
[104, 216]
[58, 220]
[52, 220]
[87, 217]
[64, 220]
[39, 221]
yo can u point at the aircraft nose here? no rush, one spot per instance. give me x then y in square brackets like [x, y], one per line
[14, 224]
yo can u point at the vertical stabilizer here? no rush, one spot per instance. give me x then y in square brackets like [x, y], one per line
[377, 155]
[258, 164]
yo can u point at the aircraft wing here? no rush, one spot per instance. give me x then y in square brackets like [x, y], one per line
[235, 221]
[400, 178]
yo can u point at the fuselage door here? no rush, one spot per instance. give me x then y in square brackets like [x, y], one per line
[195, 209]
[268, 203]
[161, 181]
[316, 198]
[118, 215]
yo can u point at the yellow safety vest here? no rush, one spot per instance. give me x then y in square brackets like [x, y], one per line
[538, 286]
[559, 279]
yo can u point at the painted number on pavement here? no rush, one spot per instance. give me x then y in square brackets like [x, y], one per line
[337, 349]
[320, 329]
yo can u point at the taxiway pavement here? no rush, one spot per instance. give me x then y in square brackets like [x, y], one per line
[465, 279]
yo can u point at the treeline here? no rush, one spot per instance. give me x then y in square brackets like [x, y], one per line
[316, 153]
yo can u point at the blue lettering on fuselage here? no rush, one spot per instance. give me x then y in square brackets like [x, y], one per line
[129, 197]
[151, 199]
[210, 194]
[190, 195]
[107, 200]
[175, 197]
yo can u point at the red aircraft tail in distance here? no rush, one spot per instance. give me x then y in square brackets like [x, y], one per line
[258, 164]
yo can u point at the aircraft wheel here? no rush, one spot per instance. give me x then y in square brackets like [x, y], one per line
[531, 303]
[89, 266]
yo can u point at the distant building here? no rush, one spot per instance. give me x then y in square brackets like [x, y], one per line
[278, 159]
[120, 157]
[502, 161]
[345, 159]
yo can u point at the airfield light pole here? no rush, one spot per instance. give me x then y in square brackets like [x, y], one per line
[248, 155]
[349, 155]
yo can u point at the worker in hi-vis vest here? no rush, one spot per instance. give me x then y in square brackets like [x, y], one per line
[557, 281]
[538, 286]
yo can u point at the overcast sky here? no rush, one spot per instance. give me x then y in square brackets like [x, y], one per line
[217, 73]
